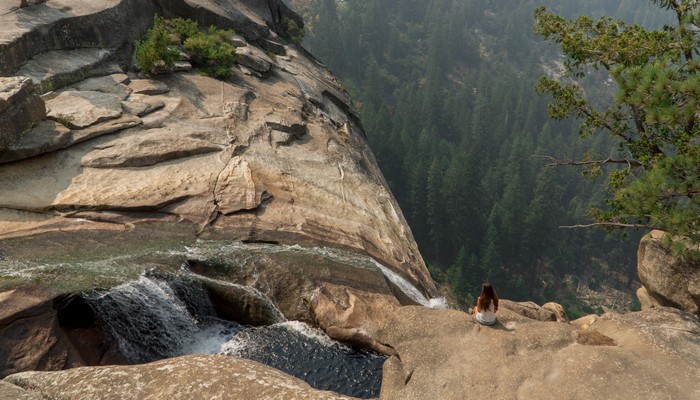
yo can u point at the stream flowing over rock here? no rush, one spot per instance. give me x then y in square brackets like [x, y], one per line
[147, 219]
[101, 167]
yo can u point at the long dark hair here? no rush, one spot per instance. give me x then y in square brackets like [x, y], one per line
[487, 296]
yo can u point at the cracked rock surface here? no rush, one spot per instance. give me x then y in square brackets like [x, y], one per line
[114, 168]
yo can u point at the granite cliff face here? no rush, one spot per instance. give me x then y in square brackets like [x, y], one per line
[264, 180]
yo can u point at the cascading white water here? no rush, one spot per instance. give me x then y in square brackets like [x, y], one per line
[409, 290]
[146, 318]
[156, 317]
[349, 258]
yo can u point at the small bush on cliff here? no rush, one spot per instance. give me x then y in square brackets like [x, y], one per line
[183, 28]
[292, 31]
[209, 51]
[156, 54]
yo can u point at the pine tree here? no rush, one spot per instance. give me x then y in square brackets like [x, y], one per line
[653, 117]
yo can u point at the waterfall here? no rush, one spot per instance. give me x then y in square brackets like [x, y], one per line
[156, 317]
[242, 252]
[152, 318]
[409, 290]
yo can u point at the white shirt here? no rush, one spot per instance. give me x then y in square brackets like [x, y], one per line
[487, 317]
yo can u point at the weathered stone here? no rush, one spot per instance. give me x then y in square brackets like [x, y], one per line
[528, 309]
[254, 58]
[55, 69]
[669, 280]
[45, 137]
[182, 66]
[557, 310]
[78, 110]
[189, 377]
[32, 339]
[115, 84]
[274, 46]
[646, 301]
[141, 108]
[148, 87]
[353, 316]
[10, 391]
[20, 108]
[105, 127]
[443, 354]
[238, 41]
[146, 148]
[242, 303]
[70, 25]
[320, 88]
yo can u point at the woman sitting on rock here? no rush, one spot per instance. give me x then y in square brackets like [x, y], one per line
[486, 305]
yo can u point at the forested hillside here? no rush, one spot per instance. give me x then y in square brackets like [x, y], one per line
[445, 89]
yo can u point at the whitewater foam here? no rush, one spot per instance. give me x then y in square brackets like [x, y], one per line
[409, 290]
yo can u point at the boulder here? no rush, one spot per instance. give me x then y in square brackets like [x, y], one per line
[445, 354]
[353, 316]
[70, 26]
[558, 311]
[141, 108]
[46, 136]
[528, 309]
[53, 70]
[188, 377]
[668, 280]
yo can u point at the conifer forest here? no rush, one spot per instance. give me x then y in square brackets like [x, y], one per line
[447, 94]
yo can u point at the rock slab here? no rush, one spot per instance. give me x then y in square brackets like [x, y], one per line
[185, 378]
[445, 354]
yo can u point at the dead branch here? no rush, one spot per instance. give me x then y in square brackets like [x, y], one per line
[555, 161]
[610, 224]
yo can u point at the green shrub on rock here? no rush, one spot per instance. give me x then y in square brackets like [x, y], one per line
[292, 31]
[209, 52]
[183, 28]
[156, 53]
